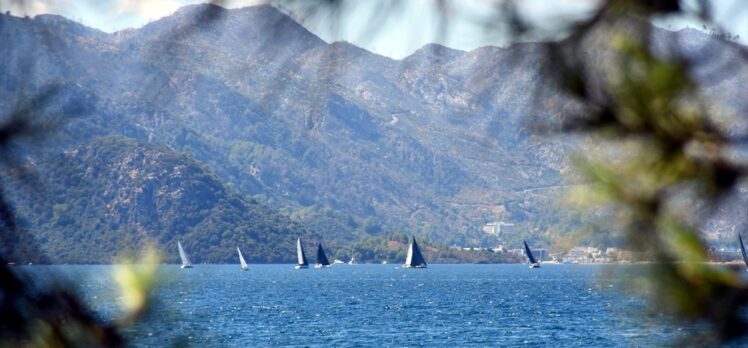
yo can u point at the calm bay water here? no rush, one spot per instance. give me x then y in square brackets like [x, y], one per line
[383, 305]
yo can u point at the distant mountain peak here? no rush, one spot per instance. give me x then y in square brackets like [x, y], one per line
[199, 8]
[435, 48]
[261, 29]
[433, 53]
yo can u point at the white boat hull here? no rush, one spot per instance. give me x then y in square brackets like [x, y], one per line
[321, 266]
[534, 265]
[301, 267]
[186, 266]
[417, 266]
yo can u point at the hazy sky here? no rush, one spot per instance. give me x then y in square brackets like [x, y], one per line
[398, 30]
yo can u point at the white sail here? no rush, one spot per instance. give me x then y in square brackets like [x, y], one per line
[300, 255]
[241, 259]
[409, 259]
[183, 255]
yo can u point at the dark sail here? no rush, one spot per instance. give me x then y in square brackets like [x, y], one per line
[415, 258]
[529, 253]
[321, 257]
[742, 250]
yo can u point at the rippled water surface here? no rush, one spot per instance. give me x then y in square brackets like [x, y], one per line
[383, 305]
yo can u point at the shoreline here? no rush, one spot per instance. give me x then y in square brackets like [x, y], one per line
[364, 264]
[715, 263]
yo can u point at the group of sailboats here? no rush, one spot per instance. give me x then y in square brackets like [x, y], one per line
[414, 260]
[187, 264]
[322, 261]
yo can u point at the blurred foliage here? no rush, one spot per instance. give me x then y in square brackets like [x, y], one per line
[665, 164]
[136, 281]
[671, 161]
[48, 312]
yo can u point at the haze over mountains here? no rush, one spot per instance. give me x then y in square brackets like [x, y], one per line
[224, 127]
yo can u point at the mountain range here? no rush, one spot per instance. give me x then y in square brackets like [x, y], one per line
[240, 127]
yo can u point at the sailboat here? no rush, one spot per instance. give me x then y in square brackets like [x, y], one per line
[300, 255]
[321, 258]
[415, 258]
[241, 260]
[533, 263]
[183, 255]
[742, 250]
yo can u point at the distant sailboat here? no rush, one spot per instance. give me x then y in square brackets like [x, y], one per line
[415, 258]
[321, 258]
[241, 260]
[300, 255]
[742, 250]
[533, 263]
[183, 255]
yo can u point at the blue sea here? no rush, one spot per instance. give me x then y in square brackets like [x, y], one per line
[384, 305]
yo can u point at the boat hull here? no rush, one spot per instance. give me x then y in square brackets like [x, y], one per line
[321, 266]
[416, 266]
[301, 266]
[186, 266]
[534, 265]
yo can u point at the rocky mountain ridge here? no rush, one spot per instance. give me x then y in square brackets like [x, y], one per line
[329, 134]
